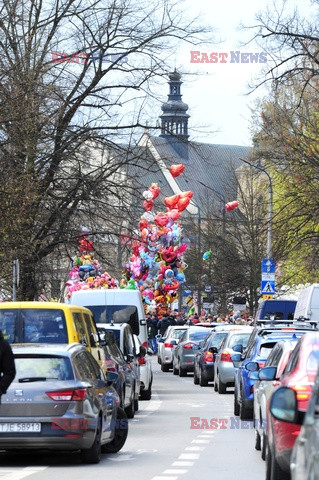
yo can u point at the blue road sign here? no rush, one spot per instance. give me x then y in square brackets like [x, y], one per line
[268, 265]
[268, 287]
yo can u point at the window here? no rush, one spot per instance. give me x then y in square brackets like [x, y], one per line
[89, 324]
[79, 327]
[9, 324]
[84, 367]
[313, 362]
[42, 325]
[48, 367]
[293, 360]
[238, 340]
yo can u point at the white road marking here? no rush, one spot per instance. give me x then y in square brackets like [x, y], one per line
[172, 471]
[189, 456]
[164, 478]
[19, 474]
[195, 449]
[182, 464]
[200, 441]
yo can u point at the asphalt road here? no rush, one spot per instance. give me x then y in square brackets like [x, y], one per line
[162, 443]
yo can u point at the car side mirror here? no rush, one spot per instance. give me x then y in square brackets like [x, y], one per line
[112, 377]
[267, 373]
[213, 349]
[252, 366]
[284, 405]
[173, 342]
[235, 357]
[238, 348]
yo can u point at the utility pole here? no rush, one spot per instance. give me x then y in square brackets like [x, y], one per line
[15, 279]
[200, 265]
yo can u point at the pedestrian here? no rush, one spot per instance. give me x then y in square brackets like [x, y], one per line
[7, 365]
[195, 319]
[152, 331]
[163, 324]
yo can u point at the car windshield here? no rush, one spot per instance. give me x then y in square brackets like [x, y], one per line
[198, 335]
[31, 368]
[177, 333]
[217, 340]
[239, 339]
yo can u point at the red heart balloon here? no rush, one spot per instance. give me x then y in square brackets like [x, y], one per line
[182, 203]
[188, 194]
[161, 219]
[173, 214]
[171, 202]
[176, 170]
[142, 224]
[148, 205]
[155, 190]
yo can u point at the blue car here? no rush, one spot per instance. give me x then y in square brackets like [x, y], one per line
[256, 352]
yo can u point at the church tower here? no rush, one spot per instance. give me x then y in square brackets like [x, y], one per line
[174, 119]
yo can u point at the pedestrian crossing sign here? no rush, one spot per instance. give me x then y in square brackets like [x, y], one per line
[268, 287]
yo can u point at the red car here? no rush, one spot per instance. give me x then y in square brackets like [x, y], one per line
[298, 375]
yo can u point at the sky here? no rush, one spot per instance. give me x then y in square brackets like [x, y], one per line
[217, 98]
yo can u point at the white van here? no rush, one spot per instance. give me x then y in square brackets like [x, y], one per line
[115, 305]
[308, 304]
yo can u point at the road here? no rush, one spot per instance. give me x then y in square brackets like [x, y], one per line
[161, 444]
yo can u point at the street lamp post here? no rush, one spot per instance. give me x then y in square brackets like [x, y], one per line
[223, 291]
[270, 207]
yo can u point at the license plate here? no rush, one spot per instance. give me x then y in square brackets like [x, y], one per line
[20, 427]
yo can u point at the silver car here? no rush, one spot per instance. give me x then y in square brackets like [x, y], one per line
[184, 352]
[165, 347]
[60, 400]
[224, 373]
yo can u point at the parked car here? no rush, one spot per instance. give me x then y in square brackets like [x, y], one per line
[165, 347]
[184, 352]
[60, 400]
[254, 358]
[224, 369]
[125, 341]
[145, 364]
[205, 358]
[299, 376]
[50, 322]
[304, 462]
[264, 387]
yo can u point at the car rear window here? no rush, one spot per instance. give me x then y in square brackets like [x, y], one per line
[30, 368]
[239, 339]
[265, 349]
[198, 336]
[217, 340]
[177, 333]
[33, 325]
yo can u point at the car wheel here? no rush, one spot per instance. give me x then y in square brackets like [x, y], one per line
[236, 405]
[245, 412]
[164, 368]
[182, 372]
[175, 371]
[257, 440]
[130, 410]
[263, 442]
[93, 454]
[221, 386]
[159, 360]
[277, 473]
[268, 463]
[203, 382]
[120, 433]
[196, 379]
[147, 394]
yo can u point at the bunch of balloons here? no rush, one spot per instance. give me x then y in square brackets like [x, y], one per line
[157, 265]
[86, 272]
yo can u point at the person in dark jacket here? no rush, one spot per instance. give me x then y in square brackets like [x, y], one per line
[7, 365]
[163, 324]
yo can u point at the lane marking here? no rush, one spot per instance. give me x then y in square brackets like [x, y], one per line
[176, 471]
[189, 456]
[182, 464]
[195, 449]
[200, 441]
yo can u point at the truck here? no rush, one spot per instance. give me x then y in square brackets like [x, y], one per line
[278, 309]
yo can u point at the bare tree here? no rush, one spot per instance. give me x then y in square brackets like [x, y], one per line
[75, 80]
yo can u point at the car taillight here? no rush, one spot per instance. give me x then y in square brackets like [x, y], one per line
[142, 361]
[225, 356]
[110, 366]
[188, 346]
[208, 357]
[261, 364]
[168, 345]
[252, 389]
[77, 395]
[303, 392]
[145, 344]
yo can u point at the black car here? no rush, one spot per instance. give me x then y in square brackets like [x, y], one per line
[205, 358]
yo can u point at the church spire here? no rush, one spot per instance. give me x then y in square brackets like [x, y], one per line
[174, 119]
